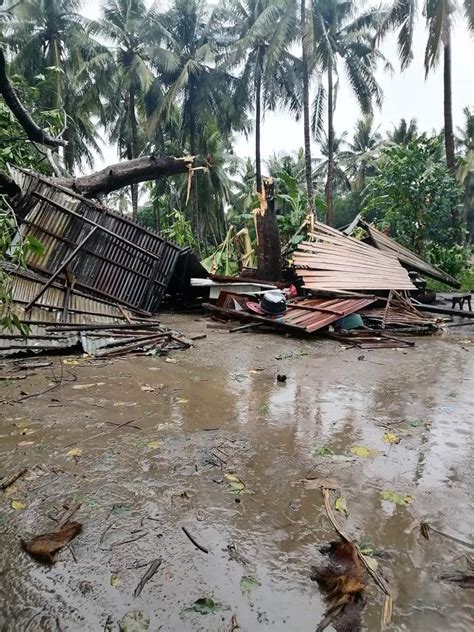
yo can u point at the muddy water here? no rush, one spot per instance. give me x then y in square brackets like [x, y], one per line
[219, 409]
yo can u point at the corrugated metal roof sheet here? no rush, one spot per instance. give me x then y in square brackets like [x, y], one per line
[305, 316]
[49, 310]
[122, 261]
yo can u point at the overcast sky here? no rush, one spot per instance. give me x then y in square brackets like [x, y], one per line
[406, 95]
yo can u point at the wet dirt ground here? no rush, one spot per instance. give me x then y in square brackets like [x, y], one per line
[218, 409]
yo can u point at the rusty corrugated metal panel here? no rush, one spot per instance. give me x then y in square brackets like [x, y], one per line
[50, 306]
[82, 310]
[314, 314]
[135, 272]
[305, 316]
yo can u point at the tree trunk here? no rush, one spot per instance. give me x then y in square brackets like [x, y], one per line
[32, 130]
[259, 219]
[306, 121]
[448, 110]
[449, 134]
[330, 174]
[269, 249]
[133, 148]
[258, 121]
[126, 173]
[194, 179]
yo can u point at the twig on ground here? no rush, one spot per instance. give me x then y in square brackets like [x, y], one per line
[139, 537]
[100, 434]
[152, 569]
[66, 517]
[9, 481]
[196, 544]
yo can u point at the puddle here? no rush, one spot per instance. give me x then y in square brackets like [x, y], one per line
[220, 409]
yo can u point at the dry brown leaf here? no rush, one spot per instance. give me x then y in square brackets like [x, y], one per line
[44, 547]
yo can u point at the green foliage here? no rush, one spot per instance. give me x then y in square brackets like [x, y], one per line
[413, 196]
[452, 259]
[180, 230]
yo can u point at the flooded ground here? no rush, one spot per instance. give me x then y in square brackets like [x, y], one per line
[215, 410]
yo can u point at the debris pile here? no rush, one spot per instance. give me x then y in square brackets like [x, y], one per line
[97, 283]
[355, 292]
[334, 261]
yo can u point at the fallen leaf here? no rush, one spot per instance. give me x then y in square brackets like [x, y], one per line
[147, 388]
[391, 437]
[180, 400]
[153, 444]
[363, 452]
[235, 484]
[248, 583]
[115, 580]
[135, 621]
[205, 605]
[70, 362]
[74, 452]
[124, 404]
[25, 444]
[44, 548]
[321, 483]
[341, 505]
[81, 387]
[18, 505]
[396, 497]
[322, 451]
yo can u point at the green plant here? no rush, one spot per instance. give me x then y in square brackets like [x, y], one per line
[453, 259]
[180, 230]
[413, 196]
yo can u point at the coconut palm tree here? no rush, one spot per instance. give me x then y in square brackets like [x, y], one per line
[264, 30]
[306, 72]
[362, 153]
[403, 133]
[341, 35]
[439, 15]
[137, 37]
[465, 163]
[195, 86]
[340, 181]
[51, 48]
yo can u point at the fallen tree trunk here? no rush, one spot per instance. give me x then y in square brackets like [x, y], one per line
[126, 173]
[34, 132]
[113, 177]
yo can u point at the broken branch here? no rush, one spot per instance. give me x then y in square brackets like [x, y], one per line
[152, 569]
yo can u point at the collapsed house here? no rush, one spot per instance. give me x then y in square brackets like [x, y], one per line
[97, 282]
[101, 278]
[339, 277]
